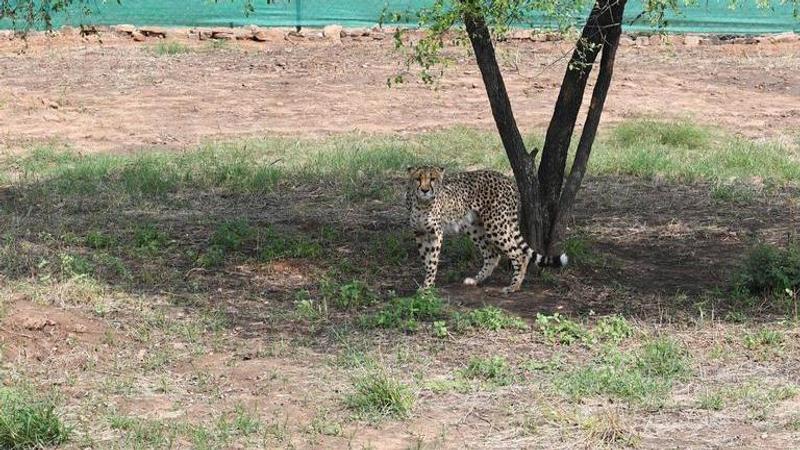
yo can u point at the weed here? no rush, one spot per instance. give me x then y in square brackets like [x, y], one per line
[769, 270]
[495, 370]
[352, 295]
[29, 422]
[405, 313]
[613, 328]
[488, 318]
[275, 246]
[148, 237]
[642, 376]
[440, 329]
[763, 339]
[579, 251]
[98, 240]
[231, 235]
[75, 266]
[711, 400]
[169, 48]
[559, 329]
[377, 394]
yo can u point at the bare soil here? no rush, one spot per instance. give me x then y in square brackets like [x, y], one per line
[130, 348]
[114, 94]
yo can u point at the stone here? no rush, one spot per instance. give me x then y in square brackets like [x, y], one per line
[222, 33]
[124, 29]
[68, 31]
[625, 41]
[6, 34]
[138, 37]
[243, 34]
[711, 40]
[783, 38]
[154, 32]
[745, 40]
[332, 33]
[642, 41]
[269, 35]
[521, 35]
[357, 32]
[691, 41]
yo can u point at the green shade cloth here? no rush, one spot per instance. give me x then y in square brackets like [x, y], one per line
[709, 16]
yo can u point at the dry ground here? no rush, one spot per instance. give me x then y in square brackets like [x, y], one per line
[114, 303]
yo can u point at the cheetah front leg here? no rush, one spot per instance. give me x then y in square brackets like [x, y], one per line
[429, 244]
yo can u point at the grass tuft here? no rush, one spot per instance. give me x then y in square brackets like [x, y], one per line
[27, 422]
[377, 394]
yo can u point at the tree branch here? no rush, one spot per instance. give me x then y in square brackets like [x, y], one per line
[611, 34]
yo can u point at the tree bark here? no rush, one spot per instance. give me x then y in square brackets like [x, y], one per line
[605, 17]
[522, 163]
[599, 94]
[544, 205]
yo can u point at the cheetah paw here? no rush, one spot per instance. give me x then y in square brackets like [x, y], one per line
[470, 281]
[509, 289]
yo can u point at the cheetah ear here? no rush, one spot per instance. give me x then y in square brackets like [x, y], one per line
[440, 169]
[411, 171]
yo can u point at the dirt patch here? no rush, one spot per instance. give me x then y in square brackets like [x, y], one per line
[39, 332]
[120, 95]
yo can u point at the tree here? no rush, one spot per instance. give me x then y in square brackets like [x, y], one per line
[547, 192]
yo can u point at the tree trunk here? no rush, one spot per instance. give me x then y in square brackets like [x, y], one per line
[522, 163]
[544, 205]
[604, 21]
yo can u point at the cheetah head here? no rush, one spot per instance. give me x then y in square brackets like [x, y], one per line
[425, 181]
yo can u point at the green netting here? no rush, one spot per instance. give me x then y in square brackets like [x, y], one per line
[709, 16]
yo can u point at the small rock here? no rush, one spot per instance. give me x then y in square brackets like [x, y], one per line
[711, 40]
[269, 35]
[784, 37]
[332, 33]
[642, 41]
[356, 32]
[242, 34]
[675, 39]
[68, 31]
[222, 33]
[124, 29]
[138, 37]
[691, 41]
[6, 34]
[520, 34]
[745, 40]
[154, 32]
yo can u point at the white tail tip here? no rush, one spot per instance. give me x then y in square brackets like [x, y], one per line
[563, 259]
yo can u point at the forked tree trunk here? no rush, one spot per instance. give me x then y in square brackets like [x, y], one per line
[546, 199]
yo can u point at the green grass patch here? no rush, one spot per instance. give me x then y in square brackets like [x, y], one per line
[769, 270]
[561, 330]
[487, 318]
[406, 313]
[278, 246]
[28, 422]
[377, 394]
[168, 48]
[643, 376]
[495, 370]
[363, 167]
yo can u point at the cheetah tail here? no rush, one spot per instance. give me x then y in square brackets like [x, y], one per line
[545, 261]
[552, 261]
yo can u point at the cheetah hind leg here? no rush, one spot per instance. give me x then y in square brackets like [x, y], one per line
[490, 256]
[520, 255]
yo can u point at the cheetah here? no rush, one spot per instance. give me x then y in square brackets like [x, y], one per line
[483, 204]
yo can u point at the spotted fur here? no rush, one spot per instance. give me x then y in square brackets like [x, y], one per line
[484, 205]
